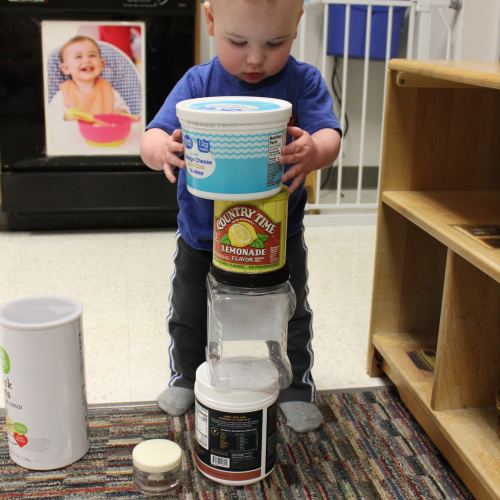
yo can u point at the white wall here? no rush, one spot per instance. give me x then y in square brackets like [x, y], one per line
[475, 32]
[480, 40]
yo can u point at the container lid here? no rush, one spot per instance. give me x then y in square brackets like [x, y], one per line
[157, 455]
[235, 399]
[251, 280]
[282, 194]
[234, 110]
[39, 312]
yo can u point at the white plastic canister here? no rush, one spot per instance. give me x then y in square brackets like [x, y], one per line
[236, 432]
[232, 146]
[41, 356]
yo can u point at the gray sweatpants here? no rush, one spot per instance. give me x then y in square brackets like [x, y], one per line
[187, 319]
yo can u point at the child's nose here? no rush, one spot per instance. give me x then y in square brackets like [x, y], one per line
[255, 57]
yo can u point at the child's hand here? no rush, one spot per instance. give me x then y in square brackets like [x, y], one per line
[173, 149]
[303, 153]
[161, 151]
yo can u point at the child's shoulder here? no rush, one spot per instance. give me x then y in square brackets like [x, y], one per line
[199, 75]
[202, 69]
[302, 67]
[302, 72]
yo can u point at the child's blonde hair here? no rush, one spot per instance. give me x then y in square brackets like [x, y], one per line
[301, 2]
[256, 1]
[270, 1]
[77, 39]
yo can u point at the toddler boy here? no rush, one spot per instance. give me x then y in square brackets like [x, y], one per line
[253, 40]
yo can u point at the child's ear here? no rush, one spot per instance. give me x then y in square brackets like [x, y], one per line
[209, 17]
[64, 68]
[298, 20]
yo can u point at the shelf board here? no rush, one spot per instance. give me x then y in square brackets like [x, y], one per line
[471, 432]
[437, 211]
[478, 73]
[394, 347]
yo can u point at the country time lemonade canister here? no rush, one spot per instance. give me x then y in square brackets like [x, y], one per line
[232, 146]
[250, 237]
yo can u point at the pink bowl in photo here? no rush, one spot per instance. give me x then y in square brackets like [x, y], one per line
[107, 136]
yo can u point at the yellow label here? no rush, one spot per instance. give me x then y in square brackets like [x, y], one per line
[250, 236]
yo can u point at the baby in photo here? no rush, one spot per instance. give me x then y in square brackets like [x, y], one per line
[85, 90]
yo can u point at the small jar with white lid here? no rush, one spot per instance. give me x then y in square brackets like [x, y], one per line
[157, 466]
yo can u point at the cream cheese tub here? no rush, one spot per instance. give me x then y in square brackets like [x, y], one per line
[232, 146]
[41, 358]
[250, 237]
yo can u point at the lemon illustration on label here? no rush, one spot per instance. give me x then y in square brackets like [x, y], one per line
[251, 229]
[241, 234]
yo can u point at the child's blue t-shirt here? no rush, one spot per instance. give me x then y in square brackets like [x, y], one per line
[312, 109]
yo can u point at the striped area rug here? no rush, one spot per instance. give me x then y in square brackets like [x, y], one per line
[370, 447]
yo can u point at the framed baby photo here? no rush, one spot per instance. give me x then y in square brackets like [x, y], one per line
[94, 87]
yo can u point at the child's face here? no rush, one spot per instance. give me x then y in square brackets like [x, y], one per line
[253, 39]
[82, 61]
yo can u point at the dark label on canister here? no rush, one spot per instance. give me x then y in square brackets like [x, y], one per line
[230, 445]
[271, 438]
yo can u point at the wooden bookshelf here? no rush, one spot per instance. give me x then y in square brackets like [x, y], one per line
[435, 287]
[436, 212]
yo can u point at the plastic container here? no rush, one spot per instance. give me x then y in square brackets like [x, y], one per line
[357, 31]
[41, 355]
[232, 146]
[250, 237]
[157, 466]
[236, 432]
[247, 329]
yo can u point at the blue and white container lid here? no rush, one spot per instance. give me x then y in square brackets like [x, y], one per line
[234, 110]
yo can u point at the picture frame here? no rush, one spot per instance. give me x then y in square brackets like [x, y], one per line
[94, 87]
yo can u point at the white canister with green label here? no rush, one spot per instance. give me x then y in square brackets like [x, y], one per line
[41, 356]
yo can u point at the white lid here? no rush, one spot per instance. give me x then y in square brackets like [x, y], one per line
[157, 455]
[235, 400]
[234, 110]
[39, 312]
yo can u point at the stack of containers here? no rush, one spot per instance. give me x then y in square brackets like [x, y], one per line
[232, 146]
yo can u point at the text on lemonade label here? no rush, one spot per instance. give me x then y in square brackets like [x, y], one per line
[247, 212]
[243, 254]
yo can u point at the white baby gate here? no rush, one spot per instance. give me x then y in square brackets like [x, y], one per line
[355, 211]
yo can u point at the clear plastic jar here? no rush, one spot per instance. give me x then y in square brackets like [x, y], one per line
[157, 466]
[247, 329]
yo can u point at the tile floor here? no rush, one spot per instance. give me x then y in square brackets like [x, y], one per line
[123, 280]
